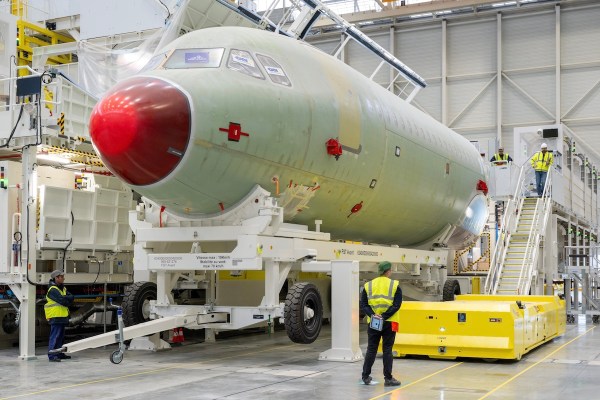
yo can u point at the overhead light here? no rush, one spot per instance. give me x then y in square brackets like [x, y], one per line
[504, 4]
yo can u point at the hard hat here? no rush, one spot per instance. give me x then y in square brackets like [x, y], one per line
[544, 146]
[56, 273]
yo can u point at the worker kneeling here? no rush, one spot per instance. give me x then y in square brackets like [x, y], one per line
[380, 301]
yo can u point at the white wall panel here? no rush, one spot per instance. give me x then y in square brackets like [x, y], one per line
[589, 133]
[575, 84]
[471, 47]
[471, 51]
[119, 16]
[580, 35]
[528, 41]
[480, 111]
[364, 61]
[328, 46]
[540, 86]
[518, 110]
[421, 50]
[430, 99]
[580, 104]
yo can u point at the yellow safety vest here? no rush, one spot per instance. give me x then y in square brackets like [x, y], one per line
[541, 161]
[504, 157]
[380, 292]
[52, 308]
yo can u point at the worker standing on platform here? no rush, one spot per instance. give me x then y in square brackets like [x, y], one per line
[381, 301]
[57, 313]
[541, 162]
[500, 158]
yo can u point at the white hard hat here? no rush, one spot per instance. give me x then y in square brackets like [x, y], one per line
[544, 146]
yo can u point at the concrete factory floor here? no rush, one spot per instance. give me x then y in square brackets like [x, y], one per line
[261, 366]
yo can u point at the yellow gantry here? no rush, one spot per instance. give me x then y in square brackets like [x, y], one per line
[30, 35]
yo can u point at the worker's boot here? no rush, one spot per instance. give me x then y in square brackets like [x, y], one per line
[392, 382]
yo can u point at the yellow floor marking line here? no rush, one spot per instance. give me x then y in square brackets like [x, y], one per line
[152, 371]
[413, 383]
[536, 363]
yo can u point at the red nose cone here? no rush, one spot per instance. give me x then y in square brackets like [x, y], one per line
[141, 129]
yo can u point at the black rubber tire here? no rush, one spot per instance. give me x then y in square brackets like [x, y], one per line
[136, 295]
[451, 289]
[9, 323]
[303, 295]
[595, 319]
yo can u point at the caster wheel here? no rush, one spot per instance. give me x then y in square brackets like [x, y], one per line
[116, 357]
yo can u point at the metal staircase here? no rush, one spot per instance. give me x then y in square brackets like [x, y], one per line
[513, 265]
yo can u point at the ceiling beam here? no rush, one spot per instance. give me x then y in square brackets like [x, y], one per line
[410, 9]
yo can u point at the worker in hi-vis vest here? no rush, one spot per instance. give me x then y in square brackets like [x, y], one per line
[541, 162]
[380, 300]
[57, 313]
[500, 158]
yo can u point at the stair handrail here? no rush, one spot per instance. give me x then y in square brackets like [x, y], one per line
[538, 227]
[497, 260]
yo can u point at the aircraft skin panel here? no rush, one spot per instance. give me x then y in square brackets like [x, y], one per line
[371, 193]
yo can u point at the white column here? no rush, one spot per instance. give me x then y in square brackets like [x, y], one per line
[29, 269]
[163, 287]
[444, 72]
[557, 68]
[499, 80]
[344, 312]
[393, 51]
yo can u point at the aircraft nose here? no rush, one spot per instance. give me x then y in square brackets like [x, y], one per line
[141, 129]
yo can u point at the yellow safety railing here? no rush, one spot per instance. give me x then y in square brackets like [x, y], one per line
[30, 35]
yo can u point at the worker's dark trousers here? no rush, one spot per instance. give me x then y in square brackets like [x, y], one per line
[57, 337]
[387, 336]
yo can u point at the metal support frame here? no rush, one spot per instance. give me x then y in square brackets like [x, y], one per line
[344, 295]
[262, 243]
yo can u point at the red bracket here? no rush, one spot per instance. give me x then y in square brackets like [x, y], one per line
[334, 148]
[234, 132]
[482, 186]
[357, 207]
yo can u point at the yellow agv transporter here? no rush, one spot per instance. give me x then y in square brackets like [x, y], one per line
[480, 326]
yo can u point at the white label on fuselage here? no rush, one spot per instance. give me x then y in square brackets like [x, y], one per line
[243, 60]
[274, 71]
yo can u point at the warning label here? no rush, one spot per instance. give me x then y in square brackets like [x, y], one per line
[201, 261]
[212, 261]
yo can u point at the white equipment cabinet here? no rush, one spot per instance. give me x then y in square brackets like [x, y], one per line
[91, 219]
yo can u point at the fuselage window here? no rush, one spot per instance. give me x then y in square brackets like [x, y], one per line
[154, 62]
[195, 58]
[274, 70]
[243, 62]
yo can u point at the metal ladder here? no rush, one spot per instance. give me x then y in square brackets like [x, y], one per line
[512, 267]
